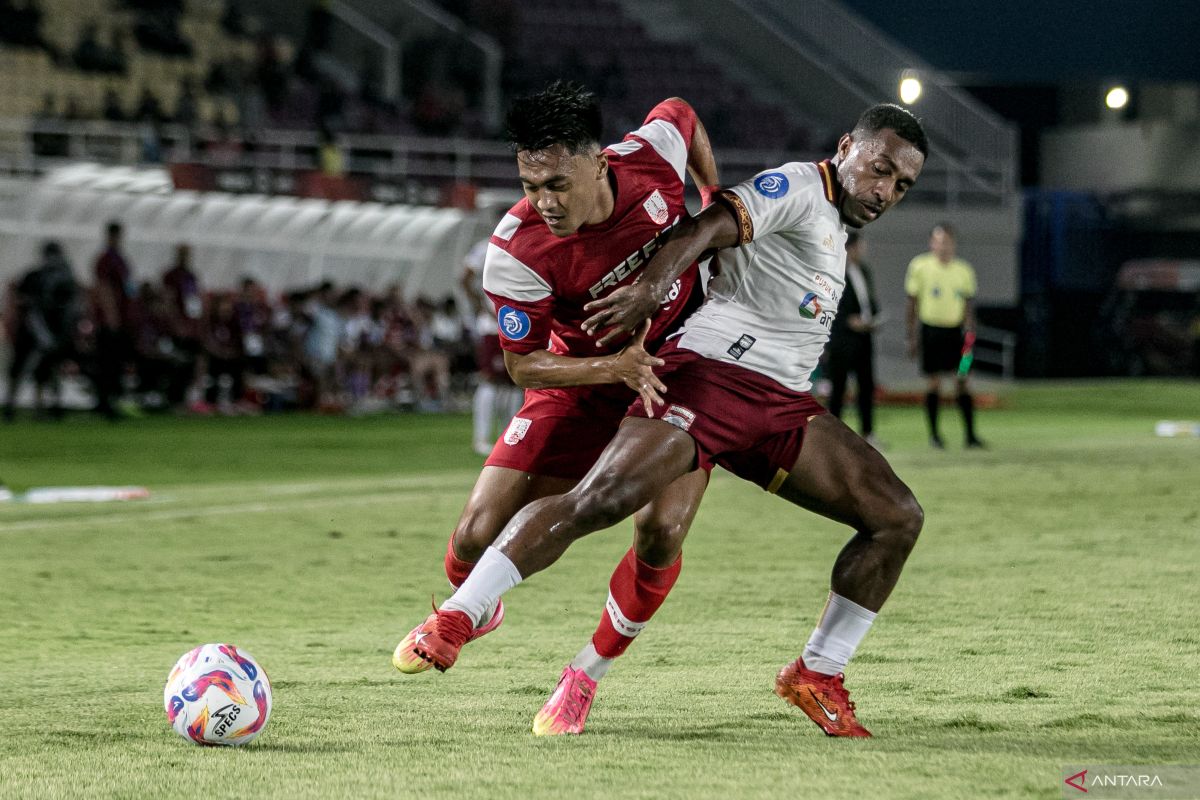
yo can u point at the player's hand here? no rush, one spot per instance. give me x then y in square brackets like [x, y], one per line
[621, 312]
[636, 368]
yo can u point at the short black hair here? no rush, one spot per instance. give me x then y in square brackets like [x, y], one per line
[563, 113]
[113, 228]
[891, 116]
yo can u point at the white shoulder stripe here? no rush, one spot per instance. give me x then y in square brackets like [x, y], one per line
[666, 139]
[507, 227]
[626, 147]
[506, 276]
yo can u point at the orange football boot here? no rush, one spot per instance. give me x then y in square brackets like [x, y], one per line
[822, 697]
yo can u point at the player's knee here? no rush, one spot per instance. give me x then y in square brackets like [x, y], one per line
[657, 540]
[475, 533]
[907, 519]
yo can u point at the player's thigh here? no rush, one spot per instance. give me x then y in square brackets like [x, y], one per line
[499, 493]
[839, 476]
[661, 525]
[645, 458]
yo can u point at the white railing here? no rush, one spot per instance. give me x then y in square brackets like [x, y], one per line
[399, 159]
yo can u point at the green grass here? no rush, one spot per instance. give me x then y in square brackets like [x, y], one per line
[1047, 617]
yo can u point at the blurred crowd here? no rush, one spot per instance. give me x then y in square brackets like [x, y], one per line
[175, 345]
[272, 88]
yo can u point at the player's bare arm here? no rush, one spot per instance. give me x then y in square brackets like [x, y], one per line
[701, 164]
[627, 307]
[632, 366]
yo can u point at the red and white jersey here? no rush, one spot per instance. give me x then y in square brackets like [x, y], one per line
[540, 282]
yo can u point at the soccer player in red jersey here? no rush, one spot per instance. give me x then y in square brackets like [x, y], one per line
[738, 377]
[591, 219]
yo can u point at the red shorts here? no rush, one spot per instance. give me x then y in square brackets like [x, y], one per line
[561, 432]
[748, 423]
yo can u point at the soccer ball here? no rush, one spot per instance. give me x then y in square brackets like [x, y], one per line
[217, 695]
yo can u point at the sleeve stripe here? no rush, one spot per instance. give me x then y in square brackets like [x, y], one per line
[741, 213]
[507, 227]
[505, 276]
[667, 141]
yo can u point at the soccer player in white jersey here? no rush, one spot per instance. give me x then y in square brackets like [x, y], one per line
[737, 380]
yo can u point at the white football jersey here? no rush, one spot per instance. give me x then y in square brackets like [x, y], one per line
[772, 300]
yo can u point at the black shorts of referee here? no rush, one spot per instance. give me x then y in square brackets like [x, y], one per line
[941, 349]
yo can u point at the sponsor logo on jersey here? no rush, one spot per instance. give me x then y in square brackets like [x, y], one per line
[513, 322]
[680, 417]
[739, 348]
[630, 264]
[809, 307]
[820, 280]
[656, 207]
[772, 185]
[517, 429]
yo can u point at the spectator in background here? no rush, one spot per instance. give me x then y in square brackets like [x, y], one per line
[321, 345]
[941, 299]
[186, 104]
[91, 56]
[164, 372]
[851, 346]
[430, 367]
[112, 106]
[21, 23]
[149, 109]
[496, 397]
[47, 140]
[254, 323]
[329, 155]
[114, 320]
[451, 337]
[185, 307]
[223, 348]
[47, 303]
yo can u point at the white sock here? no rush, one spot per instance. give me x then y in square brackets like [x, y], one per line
[488, 612]
[592, 663]
[492, 576]
[481, 412]
[843, 625]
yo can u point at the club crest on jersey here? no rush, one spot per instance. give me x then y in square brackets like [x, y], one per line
[772, 185]
[513, 323]
[809, 307]
[680, 417]
[517, 429]
[656, 207]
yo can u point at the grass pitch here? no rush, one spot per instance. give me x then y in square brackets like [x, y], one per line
[1046, 618]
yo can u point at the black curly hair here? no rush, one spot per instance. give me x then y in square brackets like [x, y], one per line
[563, 113]
[896, 118]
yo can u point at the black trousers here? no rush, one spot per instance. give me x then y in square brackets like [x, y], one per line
[114, 349]
[853, 353]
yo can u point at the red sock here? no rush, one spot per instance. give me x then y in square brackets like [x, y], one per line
[457, 570]
[635, 592]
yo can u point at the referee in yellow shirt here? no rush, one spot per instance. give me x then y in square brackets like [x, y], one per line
[941, 292]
